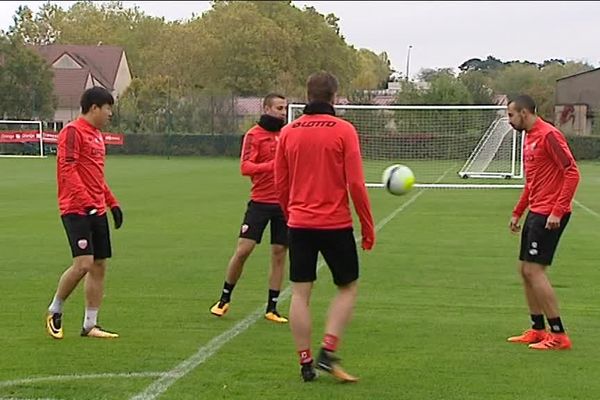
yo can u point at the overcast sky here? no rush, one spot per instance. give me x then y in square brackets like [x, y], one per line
[443, 34]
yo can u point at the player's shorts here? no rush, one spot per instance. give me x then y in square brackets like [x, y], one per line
[337, 246]
[257, 216]
[88, 235]
[539, 244]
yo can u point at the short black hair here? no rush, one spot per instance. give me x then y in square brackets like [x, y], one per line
[96, 95]
[322, 86]
[524, 102]
[268, 100]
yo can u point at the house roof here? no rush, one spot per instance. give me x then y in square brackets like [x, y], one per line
[102, 61]
[69, 84]
[577, 74]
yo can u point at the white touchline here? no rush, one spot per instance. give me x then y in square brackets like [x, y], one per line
[594, 213]
[60, 378]
[162, 384]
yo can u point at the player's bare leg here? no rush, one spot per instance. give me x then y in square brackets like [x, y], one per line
[66, 284]
[301, 326]
[339, 315]
[234, 272]
[94, 292]
[537, 332]
[536, 277]
[278, 253]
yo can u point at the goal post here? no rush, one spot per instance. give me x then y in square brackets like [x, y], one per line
[21, 139]
[447, 146]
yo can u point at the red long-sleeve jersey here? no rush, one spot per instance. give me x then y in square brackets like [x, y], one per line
[257, 162]
[551, 174]
[318, 161]
[80, 170]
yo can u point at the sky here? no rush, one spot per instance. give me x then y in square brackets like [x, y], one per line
[442, 34]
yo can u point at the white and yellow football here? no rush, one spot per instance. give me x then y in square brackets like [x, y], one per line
[398, 179]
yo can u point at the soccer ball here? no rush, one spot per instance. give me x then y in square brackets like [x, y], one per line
[398, 179]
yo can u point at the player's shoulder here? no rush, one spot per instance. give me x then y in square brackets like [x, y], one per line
[72, 128]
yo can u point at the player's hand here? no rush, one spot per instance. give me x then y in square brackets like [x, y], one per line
[117, 214]
[368, 240]
[553, 222]
[514, 226]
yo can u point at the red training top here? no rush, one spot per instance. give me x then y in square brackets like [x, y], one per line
[256, 161]
[318, 161]
[80, 170]
[551, 174]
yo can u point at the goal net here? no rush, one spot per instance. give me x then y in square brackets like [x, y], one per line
[21, 139]
[445, 146]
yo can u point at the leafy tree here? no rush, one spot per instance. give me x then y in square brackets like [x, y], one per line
[25, 82]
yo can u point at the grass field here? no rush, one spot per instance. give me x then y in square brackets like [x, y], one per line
[439, 294]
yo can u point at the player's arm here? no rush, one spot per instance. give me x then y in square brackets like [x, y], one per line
[282, 177]
[248, 164]
[113, 204]
[69, 155]
[565, 162]
[523, 202]
[356, 185]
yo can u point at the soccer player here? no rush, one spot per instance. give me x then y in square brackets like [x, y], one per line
[318, 162]
[551, 178]
[83, 198]
[257, 159]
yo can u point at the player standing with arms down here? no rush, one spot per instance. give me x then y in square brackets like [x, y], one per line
[83, 197]
[318, 161]
[551, 179]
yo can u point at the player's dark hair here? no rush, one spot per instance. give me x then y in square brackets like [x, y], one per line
[268, 100]
[95, 96]
[321, 86]
[524, 102]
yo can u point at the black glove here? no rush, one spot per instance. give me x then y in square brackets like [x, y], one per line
[117, 216]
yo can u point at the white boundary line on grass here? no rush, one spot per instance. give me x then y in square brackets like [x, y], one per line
[167, 379]
[160, 386]
[589, 210]
[59, 378]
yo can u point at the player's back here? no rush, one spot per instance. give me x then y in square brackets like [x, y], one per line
[315, 147]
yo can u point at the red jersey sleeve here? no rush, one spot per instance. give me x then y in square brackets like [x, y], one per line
[111, 200]
[282, 180]
[558, 150]
[356, 186]
[248, 164]
[69, 151]
[522, 203]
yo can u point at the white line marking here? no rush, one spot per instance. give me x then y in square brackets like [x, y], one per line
[59, 378]
[161, 385]
[594, 213]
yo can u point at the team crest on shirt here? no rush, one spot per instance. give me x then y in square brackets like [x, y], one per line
[245, 228]
[82, 244]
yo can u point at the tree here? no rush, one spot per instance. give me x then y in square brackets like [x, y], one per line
[25, 82]
[38, 29]
[373, 70]
[430, 74]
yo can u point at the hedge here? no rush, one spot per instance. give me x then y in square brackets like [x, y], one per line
[392, 147]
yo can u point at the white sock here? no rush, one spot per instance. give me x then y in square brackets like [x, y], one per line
[56, 306]
[91, 318]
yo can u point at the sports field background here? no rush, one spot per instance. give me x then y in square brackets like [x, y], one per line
[439, 294]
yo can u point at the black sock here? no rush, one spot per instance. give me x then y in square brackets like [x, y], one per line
[227, 289]
[537, 322]
[272, 301]
[556, 325]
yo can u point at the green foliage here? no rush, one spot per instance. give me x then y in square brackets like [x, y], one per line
[26, 89]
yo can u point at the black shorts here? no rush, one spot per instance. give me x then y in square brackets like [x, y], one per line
[256, 219]
[539, 244]
[88, 235]
[337, 246]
